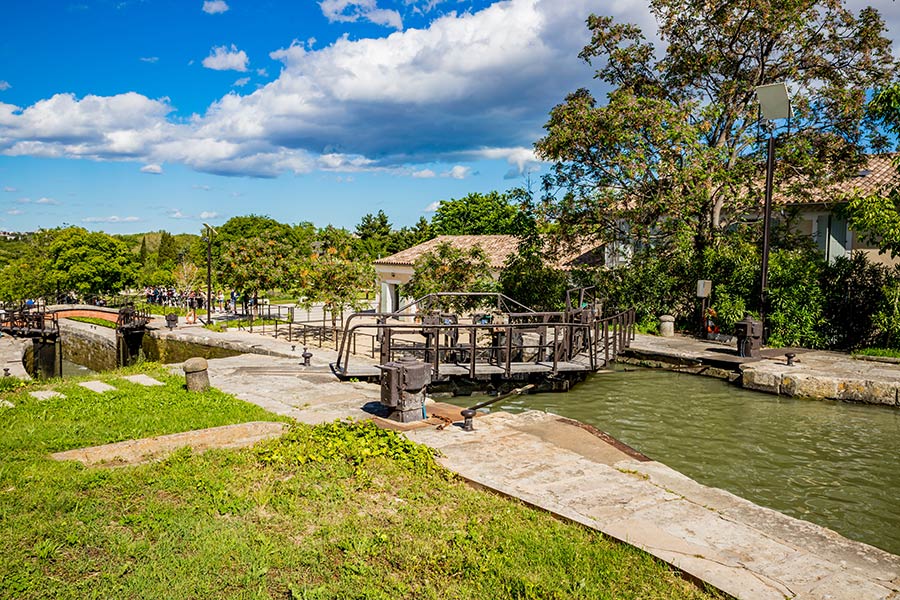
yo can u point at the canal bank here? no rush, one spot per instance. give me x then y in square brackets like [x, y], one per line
[557, 465]
[813, 374]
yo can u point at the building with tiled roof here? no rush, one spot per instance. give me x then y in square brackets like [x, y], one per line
[830, 231]
[393, 271]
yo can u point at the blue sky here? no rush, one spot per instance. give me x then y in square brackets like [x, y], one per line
[135, 115]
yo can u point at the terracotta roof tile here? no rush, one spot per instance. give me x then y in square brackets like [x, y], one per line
[496, 247]
[877, 175]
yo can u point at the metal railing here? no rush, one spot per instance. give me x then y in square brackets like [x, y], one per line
[547, 339]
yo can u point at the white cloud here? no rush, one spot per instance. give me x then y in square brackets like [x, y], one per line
[214, 7]
[9, 189]
[354, 10]
[433, 207]
[205, 188]
[152, 169]
[457, 172]
[221, 58]
[241, 82]
[149, 59]
[4, 85]
[424, 174]
[15, 211]
[208, 215]
[45, 200]
[262, 72]
[470, 86]
[111, 219]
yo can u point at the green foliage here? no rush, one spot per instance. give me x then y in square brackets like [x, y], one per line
[885, 352]
[527, 276]
[476, 214]
[854, 291]
[371, 516]
[333, 279]
[353, 442]
[168, 252]
[796, 300]
[669, 153]
[10, 384]
[876, 218]
[451, 269]
[256, 264]
[89, 263]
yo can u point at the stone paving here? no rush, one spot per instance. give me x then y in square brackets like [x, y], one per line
[555, 464]
[132, 452]
[96, 386]
[45, 394]
[142, 379]
[814, 374]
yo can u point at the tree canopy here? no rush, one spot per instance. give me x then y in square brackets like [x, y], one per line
[476, 214]
[674, 151]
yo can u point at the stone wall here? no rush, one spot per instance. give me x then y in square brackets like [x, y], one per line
[90, 345]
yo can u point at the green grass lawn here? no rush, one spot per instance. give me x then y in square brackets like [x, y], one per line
[94, 321]
[334, 511]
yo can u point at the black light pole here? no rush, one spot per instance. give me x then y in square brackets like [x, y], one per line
[209, 233]
[773, 104]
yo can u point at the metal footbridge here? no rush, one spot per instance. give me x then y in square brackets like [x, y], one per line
[508, 341]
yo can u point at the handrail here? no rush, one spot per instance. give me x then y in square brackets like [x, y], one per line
[608, 335]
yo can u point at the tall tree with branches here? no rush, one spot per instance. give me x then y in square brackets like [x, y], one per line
[672, 155]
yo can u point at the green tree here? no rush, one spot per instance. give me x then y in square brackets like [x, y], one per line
[142, 255]
[671, 152]
[89, 263]
[408, 237]
[451, 269]
[475, 214]
[374, 236]
[334, 280]
[256, 264]
[167, 254]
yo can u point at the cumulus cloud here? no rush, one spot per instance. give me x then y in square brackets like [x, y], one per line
[222, 58]
[208, 215]
[457, 172]
[241, 82]
[111, 219]
[354, 10]
[424, 174]
[45, 200]
[433, 207]
[4, 85]
[215, 7]
[152, 169]
[470, 86]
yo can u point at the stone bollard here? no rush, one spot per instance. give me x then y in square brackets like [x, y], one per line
[195, 374]
[667, 326]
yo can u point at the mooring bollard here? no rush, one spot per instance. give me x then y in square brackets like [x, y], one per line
[196, 376]
[667, 326]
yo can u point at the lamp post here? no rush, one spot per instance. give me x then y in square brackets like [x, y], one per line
[209, 233]
[773, 104]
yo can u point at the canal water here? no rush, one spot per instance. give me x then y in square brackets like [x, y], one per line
[832, 463]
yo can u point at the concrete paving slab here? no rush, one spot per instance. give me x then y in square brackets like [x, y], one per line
[6, 404]
[96, 386]
[46, 394]
[154, 448]
[142, 379]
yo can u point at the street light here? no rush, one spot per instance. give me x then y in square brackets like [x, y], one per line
[774, 103]
[210, 231]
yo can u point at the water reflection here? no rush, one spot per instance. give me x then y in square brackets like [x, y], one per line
[828, 462]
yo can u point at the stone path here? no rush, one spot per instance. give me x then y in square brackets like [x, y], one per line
[555, 464]
[96, 386]
[46, 394]
[142, 379]
[814, 374]
[153, 448]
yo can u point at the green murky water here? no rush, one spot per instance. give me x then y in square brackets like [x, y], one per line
[831, 463]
